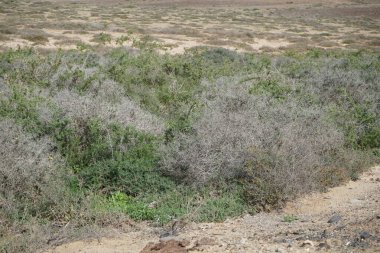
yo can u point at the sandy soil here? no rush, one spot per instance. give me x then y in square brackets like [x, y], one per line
[344, 219]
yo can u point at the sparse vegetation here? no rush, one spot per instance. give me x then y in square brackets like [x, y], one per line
[102, 38]
[290, 218]
[104, 133]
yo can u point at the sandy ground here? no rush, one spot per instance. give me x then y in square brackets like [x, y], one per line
[352, 209]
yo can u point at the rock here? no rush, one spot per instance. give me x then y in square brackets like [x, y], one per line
[364, 235]
[334, 242]
[184, 243]
[206, 241]
[296, 232]
[335, 219]
[307, 243]
[165, 237]
[324, 245]
[357, 242]
[289, 242]
[340, 227]
[170, 246]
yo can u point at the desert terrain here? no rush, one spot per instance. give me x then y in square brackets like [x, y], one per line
[242, 25]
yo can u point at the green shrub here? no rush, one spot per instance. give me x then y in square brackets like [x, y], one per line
[135, 209]
[272, 87]
[22, 107]
[227, 203]
[182, 202]
[133, 176]
[102, 38]
[122, 39]
[289, 218]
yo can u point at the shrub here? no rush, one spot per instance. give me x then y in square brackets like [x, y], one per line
[102, 38]
[106, 103]
[200, 136]
[31, 175]
[277, 149]
[36, 36]
[182, 203]
[134, 177]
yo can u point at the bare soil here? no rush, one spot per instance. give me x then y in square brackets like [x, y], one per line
[344, 219]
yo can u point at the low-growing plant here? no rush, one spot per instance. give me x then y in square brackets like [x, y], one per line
[122, 39]
[102, 38]
[181, 202]
[289, 218]
[271, 87]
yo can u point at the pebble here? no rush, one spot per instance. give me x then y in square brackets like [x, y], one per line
[364, 235]
[335, 219]
[307, 243]
[324, 245]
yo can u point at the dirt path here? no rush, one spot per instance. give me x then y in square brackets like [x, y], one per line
[345, 219]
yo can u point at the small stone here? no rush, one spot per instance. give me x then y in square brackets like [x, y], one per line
[335, 219]
[307, 243]
[340, 227]
[287, 241]
[206, 241]
[324, 245]
[364, 235]
[334, 242]
[166, 236]
[184, 243]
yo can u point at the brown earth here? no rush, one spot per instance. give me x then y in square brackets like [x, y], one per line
[344, 219]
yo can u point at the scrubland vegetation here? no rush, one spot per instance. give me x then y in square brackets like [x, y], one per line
[91, 139]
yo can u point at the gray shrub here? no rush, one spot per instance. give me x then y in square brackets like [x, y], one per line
[237, 129]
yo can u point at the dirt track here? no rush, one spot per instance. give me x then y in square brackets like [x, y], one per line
[355, 227]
